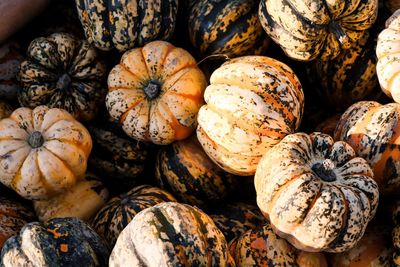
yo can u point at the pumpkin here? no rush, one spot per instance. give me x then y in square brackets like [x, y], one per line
[111, 219]
[312, 29]
[171, 234]
[10, 59]
[125, 24]
[82, 201]
[388, 51]
[235, 218]
[14, 215]
[59, 242]
[262, 247]
[184, 169]
[372, 130]
[372, 250]
[63, 72]
[348, 78]
[252, 103]
[5, 110]
[396, 233]
[42, 151]
[116, 158]
[227, 27]
[316, 193]
[155, 93]
[328, 125]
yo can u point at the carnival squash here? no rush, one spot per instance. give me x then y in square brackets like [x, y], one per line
[155, 93]
[252, 103]
[316, 193]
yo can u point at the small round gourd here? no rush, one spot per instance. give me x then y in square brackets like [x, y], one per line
[316, 193]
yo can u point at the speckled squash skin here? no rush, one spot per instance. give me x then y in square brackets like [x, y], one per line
[42, 151]
[373, 250]
[312, 29]
[396, 234]
[119, 211]
[81, 201]
[227, 27]
[5, 109]
[372, 130]
[175, 235]
[59, 242]
[63, 72]
[262, 247]
[124, 24]
[235, 218]
[155, 93]
[185, 169]
[348, 78]
[10, 59]
[316, 193]
[252, 103]
[388, 53]
[328, 126]
[13, 216]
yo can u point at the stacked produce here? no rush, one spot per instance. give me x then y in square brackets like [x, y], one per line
[200, 133]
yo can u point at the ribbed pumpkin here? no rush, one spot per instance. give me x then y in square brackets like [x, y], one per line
[252, 103]
[116, 158]
[227, 27]
[235, 218]
[13, 216]
[317, 194]
[388, 52]
[348, 78]
[184, 168]
[372, 130]
[42, 151]
[174, 234]
[262, 247]
[396, 233]
[10, 59]
[59, 242]
[311, 29]
[82, 201]
[155, 93]
[120, 210]
[5, 110]
[63, 72]
[125, 24]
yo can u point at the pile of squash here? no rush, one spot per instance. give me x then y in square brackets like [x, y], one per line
[200, 133]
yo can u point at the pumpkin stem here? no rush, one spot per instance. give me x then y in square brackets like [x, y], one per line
[335, 28]
[36, 139]
[324, 170]
[152, 89]
[64, 82]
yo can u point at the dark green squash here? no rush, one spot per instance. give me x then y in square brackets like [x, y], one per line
[184, 169]
[59, 242]
[120, 210]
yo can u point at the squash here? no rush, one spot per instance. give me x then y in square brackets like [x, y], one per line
[396, 233]
[14, 215]
[348, 78]
[372, 130]
[328, 126]
[316, 193]
[388, 52]
[155, 93]
[262, 247]
[42, 151]
[252, 103]
[372, 250]
[235, 218]
[171, 234]
[116, 158]
[59, 242]
[227, 27]
[312, 29]
[125, 24]
[184, 169]
[82, 201]
[10, 59]
[63, 72]
[111, 219]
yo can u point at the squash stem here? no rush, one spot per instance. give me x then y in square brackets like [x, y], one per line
[36, 139]
[152, 90]
[324, 170]
[335, 28]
